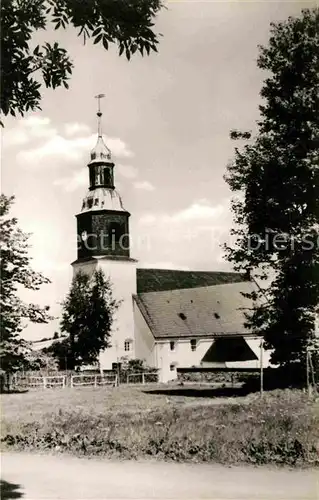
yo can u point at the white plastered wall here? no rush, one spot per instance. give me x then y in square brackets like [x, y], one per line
[122, 275]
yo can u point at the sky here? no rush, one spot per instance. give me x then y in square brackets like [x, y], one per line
[166, 119]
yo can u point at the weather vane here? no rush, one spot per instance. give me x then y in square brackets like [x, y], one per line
[99, 114]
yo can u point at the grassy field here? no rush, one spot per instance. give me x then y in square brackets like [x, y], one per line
[186, 424]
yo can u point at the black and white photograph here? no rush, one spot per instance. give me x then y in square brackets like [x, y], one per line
[159, 249]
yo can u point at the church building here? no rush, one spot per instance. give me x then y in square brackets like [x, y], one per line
[169, 318]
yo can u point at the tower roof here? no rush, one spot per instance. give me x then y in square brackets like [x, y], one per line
[100, 153]
[102, 199]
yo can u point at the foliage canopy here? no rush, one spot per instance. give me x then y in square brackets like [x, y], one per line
[277, 176]
[16, 273]
[126, 23]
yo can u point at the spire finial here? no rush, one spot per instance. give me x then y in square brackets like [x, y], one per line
[99, 114]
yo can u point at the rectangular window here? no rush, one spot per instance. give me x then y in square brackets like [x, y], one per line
[193, 344]
[127, 345]
[172, 345]
[172, 367]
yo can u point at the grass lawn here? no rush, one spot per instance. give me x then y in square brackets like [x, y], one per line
[128, 399]
[135, 422]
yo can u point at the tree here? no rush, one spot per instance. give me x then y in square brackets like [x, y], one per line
[276, 214]
[42, 361]
[16, 273]
[126, 23]
[60, 350]
[87, 318]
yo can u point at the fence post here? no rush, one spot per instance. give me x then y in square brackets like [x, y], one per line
[261, 368]
[71, 381]
[95, 381]
[307, 372]
[143, 378]
[44, 382]
[313, 378]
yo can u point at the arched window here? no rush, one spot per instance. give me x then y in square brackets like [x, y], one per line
[92, 176]
[106, 177]
[99, 175]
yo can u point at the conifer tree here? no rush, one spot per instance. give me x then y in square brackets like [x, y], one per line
[87, 318]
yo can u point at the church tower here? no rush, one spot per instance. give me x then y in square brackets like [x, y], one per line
[104, 243]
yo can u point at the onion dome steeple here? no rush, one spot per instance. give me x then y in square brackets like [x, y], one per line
[100, 153]
[103, 223]
[101, 164]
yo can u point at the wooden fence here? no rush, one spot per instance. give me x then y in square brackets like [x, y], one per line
[142, 377]
[36, 382]
[93, 380]
[23, 381]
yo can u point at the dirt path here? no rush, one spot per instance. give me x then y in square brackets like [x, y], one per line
[32, 477]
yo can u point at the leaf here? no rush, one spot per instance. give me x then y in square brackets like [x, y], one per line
[98, 39]
[97, 31]
[119, 22]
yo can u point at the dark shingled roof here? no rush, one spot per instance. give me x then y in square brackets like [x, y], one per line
[158, 280]
[196, 312]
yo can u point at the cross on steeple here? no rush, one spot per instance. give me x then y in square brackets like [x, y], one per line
[99, 114]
